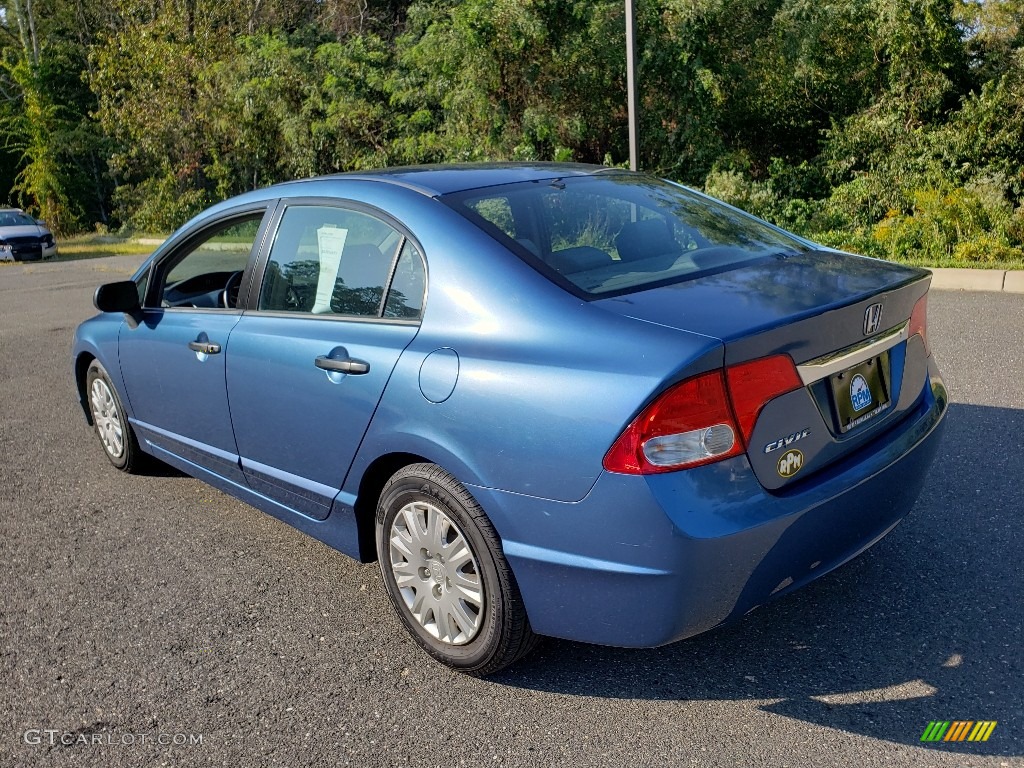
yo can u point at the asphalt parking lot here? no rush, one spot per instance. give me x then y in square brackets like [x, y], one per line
[139, 606]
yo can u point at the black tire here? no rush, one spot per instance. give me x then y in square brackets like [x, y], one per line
[503, 634]
[130, 457]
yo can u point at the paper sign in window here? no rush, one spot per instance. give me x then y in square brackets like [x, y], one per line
[330, 242]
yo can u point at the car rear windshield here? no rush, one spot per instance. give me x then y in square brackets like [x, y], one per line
[617, 233]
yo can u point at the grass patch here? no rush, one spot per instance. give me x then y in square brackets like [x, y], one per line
[980, 252]
[95, 246]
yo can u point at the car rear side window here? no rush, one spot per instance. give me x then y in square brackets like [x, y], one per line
[336, 261]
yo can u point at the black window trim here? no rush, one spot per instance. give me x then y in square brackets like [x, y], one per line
[256, 281]
[391, 275]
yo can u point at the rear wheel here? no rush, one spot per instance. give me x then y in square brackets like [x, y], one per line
[109, 421]
[446, 575]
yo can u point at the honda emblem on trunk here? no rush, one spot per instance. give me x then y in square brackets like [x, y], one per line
[872, 319]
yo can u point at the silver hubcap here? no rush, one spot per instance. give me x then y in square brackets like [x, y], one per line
[106, 417]
[436, 573]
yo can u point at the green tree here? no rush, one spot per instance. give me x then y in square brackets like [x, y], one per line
[49, 139]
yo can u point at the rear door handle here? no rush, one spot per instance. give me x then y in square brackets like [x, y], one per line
[206, 347]
[346, 365]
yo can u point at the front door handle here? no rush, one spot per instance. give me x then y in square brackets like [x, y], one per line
[206, 347]
[346, 365]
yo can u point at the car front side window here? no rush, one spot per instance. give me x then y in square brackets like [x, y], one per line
[209, 273]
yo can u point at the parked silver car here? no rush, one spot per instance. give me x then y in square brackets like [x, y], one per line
[23, 238]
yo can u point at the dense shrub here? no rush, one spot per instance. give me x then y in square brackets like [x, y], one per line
[891, 127]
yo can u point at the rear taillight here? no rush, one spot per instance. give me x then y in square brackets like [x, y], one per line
[919, 321]
[753, 384]
[702, 420]
[688, 425]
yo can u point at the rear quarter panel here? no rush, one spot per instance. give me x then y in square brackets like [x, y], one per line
[545, 381]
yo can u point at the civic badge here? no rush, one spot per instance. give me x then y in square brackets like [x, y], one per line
[872, 319]
[790, 463]
[860, 393]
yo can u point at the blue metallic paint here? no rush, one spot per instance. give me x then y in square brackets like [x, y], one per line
[545, 383]
[805, 305]
[707, 545]
[298, 427]
[439, 373]
[178, 397]
[96, 339]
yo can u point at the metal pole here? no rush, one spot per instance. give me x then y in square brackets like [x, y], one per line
[634, 152]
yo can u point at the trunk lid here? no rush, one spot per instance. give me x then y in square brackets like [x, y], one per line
[817, 307]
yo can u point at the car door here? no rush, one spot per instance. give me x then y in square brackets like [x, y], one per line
[338, 300]
[172, 360]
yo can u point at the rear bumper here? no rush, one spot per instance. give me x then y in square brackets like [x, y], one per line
[644, 561]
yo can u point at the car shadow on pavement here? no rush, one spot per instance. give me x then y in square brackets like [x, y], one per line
[153, 467]
[925, 626]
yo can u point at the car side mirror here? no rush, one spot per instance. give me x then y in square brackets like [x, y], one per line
[40, 222]
[117, 297]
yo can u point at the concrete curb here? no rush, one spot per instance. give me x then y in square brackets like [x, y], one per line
[1007, 281]
[1014, 282]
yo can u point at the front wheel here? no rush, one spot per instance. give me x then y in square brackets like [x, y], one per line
[109, 421]
[446, 575]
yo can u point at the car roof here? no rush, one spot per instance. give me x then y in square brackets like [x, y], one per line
[436, 180]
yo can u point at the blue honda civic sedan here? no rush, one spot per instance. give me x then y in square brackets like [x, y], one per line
[549, 399]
